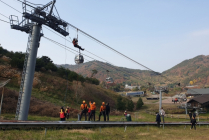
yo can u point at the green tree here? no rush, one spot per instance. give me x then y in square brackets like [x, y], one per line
[46, 60]
[16, 62]
[94, 72]
[39, 64]
[130, 105]
[120, 103]
[139, 103]
[51, 66]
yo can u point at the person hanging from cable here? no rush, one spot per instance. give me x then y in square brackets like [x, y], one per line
[102, 111]
[75, 43]
[84, 110]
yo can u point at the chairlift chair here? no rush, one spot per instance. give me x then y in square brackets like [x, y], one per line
[109, 80]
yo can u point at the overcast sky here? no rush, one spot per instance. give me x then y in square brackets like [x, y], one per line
[156, 33]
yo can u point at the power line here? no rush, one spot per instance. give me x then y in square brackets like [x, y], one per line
[4, 21]
[93, 39]
[67, 48]
[110, 47]
[4, 15]
[64, 46]
[84, 33]
[11, 6]
[100, 58]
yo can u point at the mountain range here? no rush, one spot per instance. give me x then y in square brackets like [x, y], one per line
[195, 70]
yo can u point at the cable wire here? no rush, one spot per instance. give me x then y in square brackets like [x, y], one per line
[64, 46]
[110, 47]
[57, 11]
[4, 15]
[84, 33]
[11, 6]
[4, 21]
[99, 57]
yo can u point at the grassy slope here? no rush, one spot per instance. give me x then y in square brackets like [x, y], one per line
[116, 133]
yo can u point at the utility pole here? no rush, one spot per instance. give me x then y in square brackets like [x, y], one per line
[160, 103]
[160, 90]
[32, 24]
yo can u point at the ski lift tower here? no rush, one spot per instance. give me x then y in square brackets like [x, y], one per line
[160, 90]
[32, 20]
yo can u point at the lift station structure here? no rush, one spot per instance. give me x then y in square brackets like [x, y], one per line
[32, 21]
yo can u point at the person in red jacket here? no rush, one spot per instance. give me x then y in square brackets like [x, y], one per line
[125, 113]
[62, 114]
[75, 43]
[67, 112]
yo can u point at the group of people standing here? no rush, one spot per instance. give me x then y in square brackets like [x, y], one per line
[64, 113]
[91, 110]
[161, 114]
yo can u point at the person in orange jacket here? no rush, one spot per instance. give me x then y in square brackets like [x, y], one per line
[102, 111]
[84, 110]
[62, 114]
[93, 110]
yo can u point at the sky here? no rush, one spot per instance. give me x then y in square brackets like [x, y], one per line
[156, 33]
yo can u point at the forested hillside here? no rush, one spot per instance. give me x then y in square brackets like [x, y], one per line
[192, 71]
[51, 85]
[188, 72]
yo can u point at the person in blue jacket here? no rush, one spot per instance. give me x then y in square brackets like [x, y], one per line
[158, 119]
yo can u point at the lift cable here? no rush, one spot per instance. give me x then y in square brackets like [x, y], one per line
[57, 11]
[63, 46]
[98, 42]
[73, 52]
[76, 53]
[10, 6]
[4, 15]
[4, 21]
[109, 47]
[84, 33]
[130, 74]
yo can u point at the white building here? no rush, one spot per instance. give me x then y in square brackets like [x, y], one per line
[131, 87]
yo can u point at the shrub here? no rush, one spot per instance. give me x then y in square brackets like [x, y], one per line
[121, 105]
[139, 103]
[130, 105]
